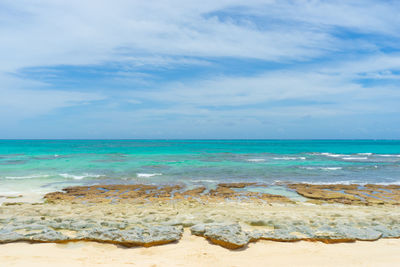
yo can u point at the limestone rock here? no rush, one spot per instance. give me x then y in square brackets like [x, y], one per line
[280, 235]
[229, 236]
[136, 236]
[330, 235]
[7, 236]
[46, 235]
[365, 234]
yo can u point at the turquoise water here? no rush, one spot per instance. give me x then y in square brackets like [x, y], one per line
[45, 165]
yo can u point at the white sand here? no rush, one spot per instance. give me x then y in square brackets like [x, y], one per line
[196, 251]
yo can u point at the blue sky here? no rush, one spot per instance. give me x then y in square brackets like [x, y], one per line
[199, 69]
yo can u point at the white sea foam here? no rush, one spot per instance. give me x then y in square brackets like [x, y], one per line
[147, 175]
[290, 158]
[336, 182]
[79, 177]
[389, 183]
[333, 155]
[27, 176]
[331, 168]
[347, 183]
[365, 154]
[321, 182]
[389, 155]
[355, 158]
[206, 181]
[256, 160]
[322, 168]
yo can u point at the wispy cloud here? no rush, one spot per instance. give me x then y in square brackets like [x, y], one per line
[209, 64]
[21, 99]
[73, 32]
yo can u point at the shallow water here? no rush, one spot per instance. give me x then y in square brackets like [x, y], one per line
[41, 166]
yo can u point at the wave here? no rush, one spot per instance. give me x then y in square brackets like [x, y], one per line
[79, 177]
[323, 168]
[343, 182]
[353, 182]
[335, 182]
[147, 175]
[356, 155]
[355, 158]
[333, 155]
[290, 158]
[388, 183]
[27, 177]
[206, 181]
[255, 160]
[279, 182]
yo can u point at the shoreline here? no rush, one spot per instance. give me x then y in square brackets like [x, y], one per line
[284, 192]
[228, 218]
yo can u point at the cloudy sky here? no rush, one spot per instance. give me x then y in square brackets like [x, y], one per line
[199, 69]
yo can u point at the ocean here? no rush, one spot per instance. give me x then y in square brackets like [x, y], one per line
[40, 166]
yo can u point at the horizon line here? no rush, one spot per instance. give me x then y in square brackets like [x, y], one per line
[198, 139]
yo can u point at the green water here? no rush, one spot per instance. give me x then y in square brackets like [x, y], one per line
[45, 165]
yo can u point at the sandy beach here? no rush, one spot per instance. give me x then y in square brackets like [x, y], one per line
[196, 251]
[146, 225]
[199, 133]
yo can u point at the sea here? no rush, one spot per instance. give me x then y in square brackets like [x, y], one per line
[41, 166]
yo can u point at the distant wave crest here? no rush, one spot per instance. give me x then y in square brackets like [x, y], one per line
[323, 168]
[333, 155]
[354, 158]
[147, 175]
[290, 158]
[79, 177]
[256, 160]
[33, 176]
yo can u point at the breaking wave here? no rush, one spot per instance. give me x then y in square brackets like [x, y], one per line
[147, 175]
[290, 158]
[27, 177]
[79, 177]
[256, 160]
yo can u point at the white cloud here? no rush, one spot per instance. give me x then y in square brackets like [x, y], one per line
[97, 31]
[20, 103]
[368, 16]
[240, 91]
[161, 33]
[91, 32]
[333, 90]
[374, 65]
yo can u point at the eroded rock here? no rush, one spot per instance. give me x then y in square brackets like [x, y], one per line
[141, 193]
[352, 194]
[229, 236]
[136, 236]
[46, 235]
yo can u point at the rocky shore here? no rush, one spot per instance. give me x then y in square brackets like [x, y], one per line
[228, 215]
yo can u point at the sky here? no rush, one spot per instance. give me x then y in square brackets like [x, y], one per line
[200, 69]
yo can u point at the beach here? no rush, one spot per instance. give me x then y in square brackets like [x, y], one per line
[196, 251]
[146, 225]
[199, 203]
[199, 133]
